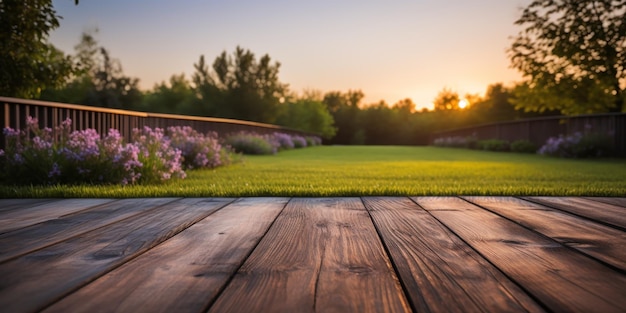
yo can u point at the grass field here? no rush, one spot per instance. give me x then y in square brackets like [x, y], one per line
[376, 170]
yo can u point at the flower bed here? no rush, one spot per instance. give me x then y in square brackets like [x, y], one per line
[35, 156]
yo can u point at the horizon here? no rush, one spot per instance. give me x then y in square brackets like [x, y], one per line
[389, 51]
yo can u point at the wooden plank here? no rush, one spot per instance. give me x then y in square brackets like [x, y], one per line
[601, 242]
[34, 237]
[602, 212]
[35, 280]
[13, 204]
[185, 273]
[559, 277]
[15, 219]
[610, 200]
[440, 272]
[320, 255]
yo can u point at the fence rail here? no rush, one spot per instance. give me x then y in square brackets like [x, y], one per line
[538, 130]
[50, 114]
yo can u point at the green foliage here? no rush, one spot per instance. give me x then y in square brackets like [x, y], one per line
[447, 100]
[523, 146]
[456, 142]
[239, 86]
[375, 171]
[308, 115]
[99, 80]
[494, 145]
[174, 97]
[572, 53]
[578, 145]
[29, 63]
[248, 143]
[345, 109]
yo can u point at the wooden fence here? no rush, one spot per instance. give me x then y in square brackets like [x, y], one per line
[50, 114]
[538, 130]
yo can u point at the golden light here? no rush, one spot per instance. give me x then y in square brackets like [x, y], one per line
[463, 103]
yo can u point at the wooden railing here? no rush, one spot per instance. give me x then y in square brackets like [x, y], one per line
[50, 114]
[538, 130]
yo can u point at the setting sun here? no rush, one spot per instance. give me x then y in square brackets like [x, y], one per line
[463, 103]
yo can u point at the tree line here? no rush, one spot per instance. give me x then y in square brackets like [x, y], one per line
[572, 55]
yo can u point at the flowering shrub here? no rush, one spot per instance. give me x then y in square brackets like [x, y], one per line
[60, 156]
[251, 143]
[577, 145]
[312, 141]
[453, 142]
[298, 141]
[160, 160]
[284, 141]
[36, 156]
[198, 150]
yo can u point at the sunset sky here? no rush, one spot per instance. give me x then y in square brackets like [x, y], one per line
[390, 50]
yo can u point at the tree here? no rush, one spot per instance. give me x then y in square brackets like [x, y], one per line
[309, 115]
[573, 55]
[240, 87]
[345, 109]
[174, 98]
[446, 100]
[98, 79]
[29, 63]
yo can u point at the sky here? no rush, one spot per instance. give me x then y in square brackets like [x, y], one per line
[390, 50]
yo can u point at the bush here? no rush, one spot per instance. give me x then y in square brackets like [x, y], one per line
[457, 142]
[523, 146]
[160, 160]
[284, 141]
[577, 145]
[452, 142]
[299, 141]
[198, 150]
[312, 141]
[494, 145]
[35, 156]
[250, 143]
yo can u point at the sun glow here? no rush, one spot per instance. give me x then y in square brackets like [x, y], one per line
[463, 103]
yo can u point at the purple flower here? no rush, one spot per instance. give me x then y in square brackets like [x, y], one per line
[56, 171]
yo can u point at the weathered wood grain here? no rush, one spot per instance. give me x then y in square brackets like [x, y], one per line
[440, 272]
[15, 219]
[561, 278]
[13, 204]
[599, 241]
[37, 236]
[185, 273]
[606, 213]
[320, 255]
[610, 200]
[33, 281]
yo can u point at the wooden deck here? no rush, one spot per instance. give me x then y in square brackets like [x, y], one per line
[392, 254]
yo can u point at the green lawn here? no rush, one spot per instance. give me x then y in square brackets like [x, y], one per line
[376, 170]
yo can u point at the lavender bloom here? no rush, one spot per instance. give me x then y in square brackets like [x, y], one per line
[299, 141]
[56, 171]
[284, 141]
[198, 150]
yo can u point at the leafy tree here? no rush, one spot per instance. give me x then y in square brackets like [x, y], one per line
[98, 81]
[405, 106]
[239, 86]
[175, 97]
[573, 54]
[446, 100]
[29, 63]
[308, 114]
[345, 109]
